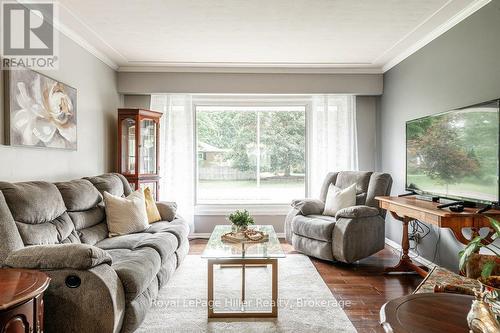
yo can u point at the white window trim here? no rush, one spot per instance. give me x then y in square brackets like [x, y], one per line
[249, 101]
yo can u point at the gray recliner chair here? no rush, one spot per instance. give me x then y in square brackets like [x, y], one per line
[354, 233]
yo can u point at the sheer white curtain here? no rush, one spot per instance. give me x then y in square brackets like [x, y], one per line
[332, 138]
[177, 156]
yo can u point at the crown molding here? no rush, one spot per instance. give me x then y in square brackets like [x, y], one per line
[462, 15]
[252, 69]
[78, 39]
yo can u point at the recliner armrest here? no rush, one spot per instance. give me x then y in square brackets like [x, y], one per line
[167, 210]
[357, 212]
[309, 206]
[60, 256]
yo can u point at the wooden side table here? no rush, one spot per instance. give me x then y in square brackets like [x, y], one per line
[426, 313]
[21, 300]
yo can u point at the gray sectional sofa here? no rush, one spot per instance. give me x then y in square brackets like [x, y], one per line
[99, 284]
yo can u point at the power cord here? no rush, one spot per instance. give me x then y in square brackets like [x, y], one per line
[436, 248]
[418, 231]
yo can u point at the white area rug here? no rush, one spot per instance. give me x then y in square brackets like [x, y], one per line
[305, 302]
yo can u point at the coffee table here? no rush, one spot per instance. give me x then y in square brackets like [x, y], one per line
[245, 256]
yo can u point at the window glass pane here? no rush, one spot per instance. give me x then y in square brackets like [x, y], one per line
[148, 147]
[247, 156]
[128, 146]
[282, 156]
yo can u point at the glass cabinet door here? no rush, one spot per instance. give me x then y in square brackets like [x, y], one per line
[128, 146]
[148, 147]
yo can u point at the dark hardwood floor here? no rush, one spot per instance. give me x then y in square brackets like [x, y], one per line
[362, 285]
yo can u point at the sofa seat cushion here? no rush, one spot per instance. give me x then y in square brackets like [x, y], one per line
[163, 243]
[178, 227]
[318, 227]
[137, 269]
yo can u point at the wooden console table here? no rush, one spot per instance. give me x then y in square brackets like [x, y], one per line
[406, 209]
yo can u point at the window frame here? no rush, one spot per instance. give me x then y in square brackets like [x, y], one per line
[249, 101]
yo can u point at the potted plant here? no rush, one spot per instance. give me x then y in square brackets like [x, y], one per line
[490, 284]
[240, 219]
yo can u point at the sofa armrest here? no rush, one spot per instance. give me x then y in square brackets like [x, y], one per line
[309, 206]
[355, 212]
[60, 256]
[167, 210]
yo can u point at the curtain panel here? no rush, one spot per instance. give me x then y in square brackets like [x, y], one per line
[177, 155]
[332, 138]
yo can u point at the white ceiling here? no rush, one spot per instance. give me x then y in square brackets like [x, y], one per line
[367, 36]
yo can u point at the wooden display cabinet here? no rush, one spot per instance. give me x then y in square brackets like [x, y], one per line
[138, 148]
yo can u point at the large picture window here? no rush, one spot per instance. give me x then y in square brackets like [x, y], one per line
[250, 154]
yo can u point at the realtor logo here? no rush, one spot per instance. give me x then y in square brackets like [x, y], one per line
[28, 37]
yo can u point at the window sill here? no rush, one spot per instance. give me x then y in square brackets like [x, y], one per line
[254, 209]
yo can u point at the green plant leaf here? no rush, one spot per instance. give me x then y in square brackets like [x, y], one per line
[487, 269]
[496, 226]
[474, 245]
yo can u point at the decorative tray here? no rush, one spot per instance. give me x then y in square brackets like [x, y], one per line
[247, 236]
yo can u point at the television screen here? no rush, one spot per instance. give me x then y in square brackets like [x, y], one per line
[455, 154]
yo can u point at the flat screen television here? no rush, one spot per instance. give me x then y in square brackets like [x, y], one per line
[455, 154]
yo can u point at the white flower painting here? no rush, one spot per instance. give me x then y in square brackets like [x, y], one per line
[42, 111]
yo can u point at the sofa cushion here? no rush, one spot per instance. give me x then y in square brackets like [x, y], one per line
[33, 202]
[88, 218]
[178, 227]
[79, 195]
[163, 243]
[94, 234]
[318, 227]
[58, 231]
[347, 178]
[113, 183]
[40, 214]
[137, 269]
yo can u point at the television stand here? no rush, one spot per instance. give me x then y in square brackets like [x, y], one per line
[407, 209]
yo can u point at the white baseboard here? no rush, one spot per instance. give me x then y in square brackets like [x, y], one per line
[206, 235]
[414, 256]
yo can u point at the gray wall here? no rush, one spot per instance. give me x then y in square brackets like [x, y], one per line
[460, 68]
[137, 101]
[245, 83]
[97, 103]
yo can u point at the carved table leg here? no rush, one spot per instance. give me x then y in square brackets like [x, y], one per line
[405, 263]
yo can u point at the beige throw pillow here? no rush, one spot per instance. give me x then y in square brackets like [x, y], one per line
[125, 215]
[337, 199]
